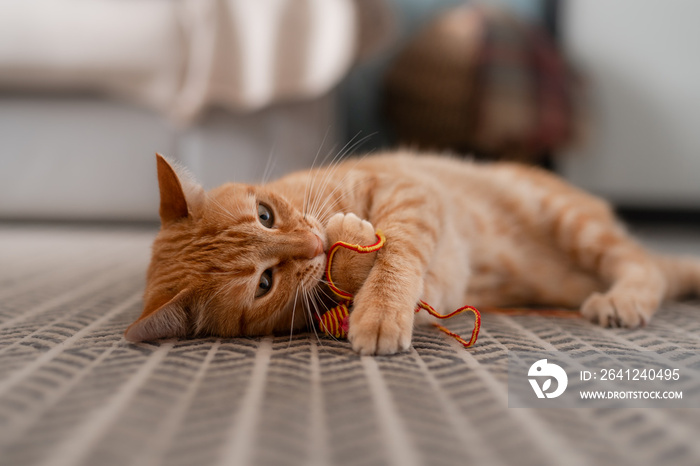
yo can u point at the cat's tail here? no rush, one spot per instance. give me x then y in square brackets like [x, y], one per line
[682, 275]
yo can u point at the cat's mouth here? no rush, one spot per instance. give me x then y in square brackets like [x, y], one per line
[314, 273]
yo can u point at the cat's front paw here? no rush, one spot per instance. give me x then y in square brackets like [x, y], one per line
[620, 309]
[377, 328]
[350, 269]
[349, 228]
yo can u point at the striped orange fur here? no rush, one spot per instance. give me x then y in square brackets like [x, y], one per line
[489, 235]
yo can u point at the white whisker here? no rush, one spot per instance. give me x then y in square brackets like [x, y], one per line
[325, 210]
[308, 309]
[340, 184]
[321, 290]
[317, 312]
[270, 164]
[294, 308]
[335, 163]
[308, 184]
[330, 169]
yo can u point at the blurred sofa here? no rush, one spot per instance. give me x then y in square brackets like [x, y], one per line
[89, 91]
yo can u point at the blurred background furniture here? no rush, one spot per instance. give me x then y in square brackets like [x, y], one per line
[92, 159]
[640, 60]
[235, 89]
[479, 80]
[89, 91]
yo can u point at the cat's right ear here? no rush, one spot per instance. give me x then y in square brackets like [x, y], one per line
[169, 320]
[179, 194]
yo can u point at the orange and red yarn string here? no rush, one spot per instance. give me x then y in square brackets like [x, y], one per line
[334, 322]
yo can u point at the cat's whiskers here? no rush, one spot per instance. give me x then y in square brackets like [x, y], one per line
[309, 276]
[270, 164]
[319, 172]
[313, 309]
[306, 316]
[307, 307]
[317, 313]
[324, 291]
[319, 300]
[333, 166]
[325, 211]
[309, 185]
[340, 185]
[294, 308]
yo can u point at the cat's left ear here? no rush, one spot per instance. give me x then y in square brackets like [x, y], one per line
[169, 320]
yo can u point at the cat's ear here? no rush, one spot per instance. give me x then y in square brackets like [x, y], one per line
[169, 320]
[180, 195]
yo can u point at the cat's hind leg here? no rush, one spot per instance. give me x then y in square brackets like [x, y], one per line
[598, 243]
[682, 276]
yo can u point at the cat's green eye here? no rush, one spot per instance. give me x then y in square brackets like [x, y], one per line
[265, 216]
[264, 284]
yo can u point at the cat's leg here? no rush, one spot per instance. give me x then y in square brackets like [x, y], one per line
[584, 232]
[635, 296]
[595, 241]
[384, 308]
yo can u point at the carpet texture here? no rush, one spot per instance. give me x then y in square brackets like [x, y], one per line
[73, 392]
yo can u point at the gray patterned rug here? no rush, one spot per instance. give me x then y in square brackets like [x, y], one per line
[73, 392]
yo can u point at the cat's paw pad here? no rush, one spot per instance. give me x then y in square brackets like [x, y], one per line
[619, 309]
[349, 228]
[380, 331]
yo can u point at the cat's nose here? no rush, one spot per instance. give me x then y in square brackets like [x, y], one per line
[300, 245]
[319, 247]
[308, 246]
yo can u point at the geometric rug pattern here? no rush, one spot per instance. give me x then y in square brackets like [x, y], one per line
[74, 392]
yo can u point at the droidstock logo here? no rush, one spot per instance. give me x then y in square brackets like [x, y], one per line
[545, 371]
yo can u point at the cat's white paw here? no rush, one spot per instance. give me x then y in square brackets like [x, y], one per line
[616, 309]
[380, 330]
[349, 228]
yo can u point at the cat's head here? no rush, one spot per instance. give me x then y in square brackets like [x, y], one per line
[228, 262]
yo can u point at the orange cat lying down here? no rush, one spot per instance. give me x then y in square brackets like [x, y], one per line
[249, 259]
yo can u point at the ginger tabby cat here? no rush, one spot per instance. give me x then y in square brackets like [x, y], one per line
[249, 259]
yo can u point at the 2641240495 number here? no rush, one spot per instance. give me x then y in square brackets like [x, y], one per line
[639, 374]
